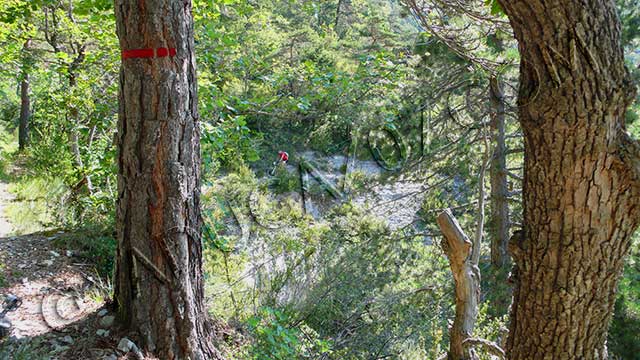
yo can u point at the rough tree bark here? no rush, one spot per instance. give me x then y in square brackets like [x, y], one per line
[581, 185]
[25, 100]
[458, 248]
[159, 280]
[499, 221]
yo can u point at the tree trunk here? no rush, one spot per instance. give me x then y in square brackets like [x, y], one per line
[25, 101]
[159, 280]
[458, 248]
[581, 183]
[499, 222]
[73, 134]
[25, 112]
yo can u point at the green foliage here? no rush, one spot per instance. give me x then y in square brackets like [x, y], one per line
[357, 180]
[276, 339]
[93, 243]
[625, 326]
[25, 350]
[230, 144]
[72, 63]
[286, 73]
[3, 280]
[285, 181]
[496, 9]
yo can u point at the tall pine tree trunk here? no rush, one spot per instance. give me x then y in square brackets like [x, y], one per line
[159, 280]
[581, 185]
[499, 221]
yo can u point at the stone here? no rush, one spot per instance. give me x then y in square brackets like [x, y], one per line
[102, 332]
[55, 254]
[107, 321]
[125, 345]
[103, 312]
[67, 339]
[5, 327]
[110, 357]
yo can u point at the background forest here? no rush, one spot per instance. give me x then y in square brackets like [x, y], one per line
[391, 112]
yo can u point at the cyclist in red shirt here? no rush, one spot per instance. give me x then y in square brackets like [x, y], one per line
[283, 157]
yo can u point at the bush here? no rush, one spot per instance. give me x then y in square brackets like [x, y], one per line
[284, 181]
[94, 243]
[623, 341]
[276, 339]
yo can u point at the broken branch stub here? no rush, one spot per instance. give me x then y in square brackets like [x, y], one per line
[457, 246]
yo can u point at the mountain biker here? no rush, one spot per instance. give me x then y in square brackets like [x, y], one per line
[283, 157]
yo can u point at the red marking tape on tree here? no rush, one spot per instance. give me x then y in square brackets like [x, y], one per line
[148, 53]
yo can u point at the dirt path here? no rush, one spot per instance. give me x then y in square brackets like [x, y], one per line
[5, 197]
[60, 314]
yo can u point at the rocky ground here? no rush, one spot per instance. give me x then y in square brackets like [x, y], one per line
[397, 201]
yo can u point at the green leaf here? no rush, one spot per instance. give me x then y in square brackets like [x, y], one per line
[496, 9]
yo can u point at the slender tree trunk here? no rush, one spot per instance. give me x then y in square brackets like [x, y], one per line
[25, 112]
[25, 100]
[159, 280]
[581, 185]
[73, 135]
[499, 222]
[336, 22]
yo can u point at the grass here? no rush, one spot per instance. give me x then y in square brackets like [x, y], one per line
[8, 150]
[31, 350]
[34, 207]
[3, 280]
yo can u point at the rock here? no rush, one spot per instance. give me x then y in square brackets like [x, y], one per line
[60, 348]
[110, 357]
[55, 254]
[107, 321]
[69, 253]
[103, 312]
[47, 263]
[102, 332]
[5, 327]
[125, 345]
[68, 339]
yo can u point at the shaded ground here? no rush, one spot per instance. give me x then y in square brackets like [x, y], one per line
[60, 315]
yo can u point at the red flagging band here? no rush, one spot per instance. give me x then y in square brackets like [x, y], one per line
[148, 53]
